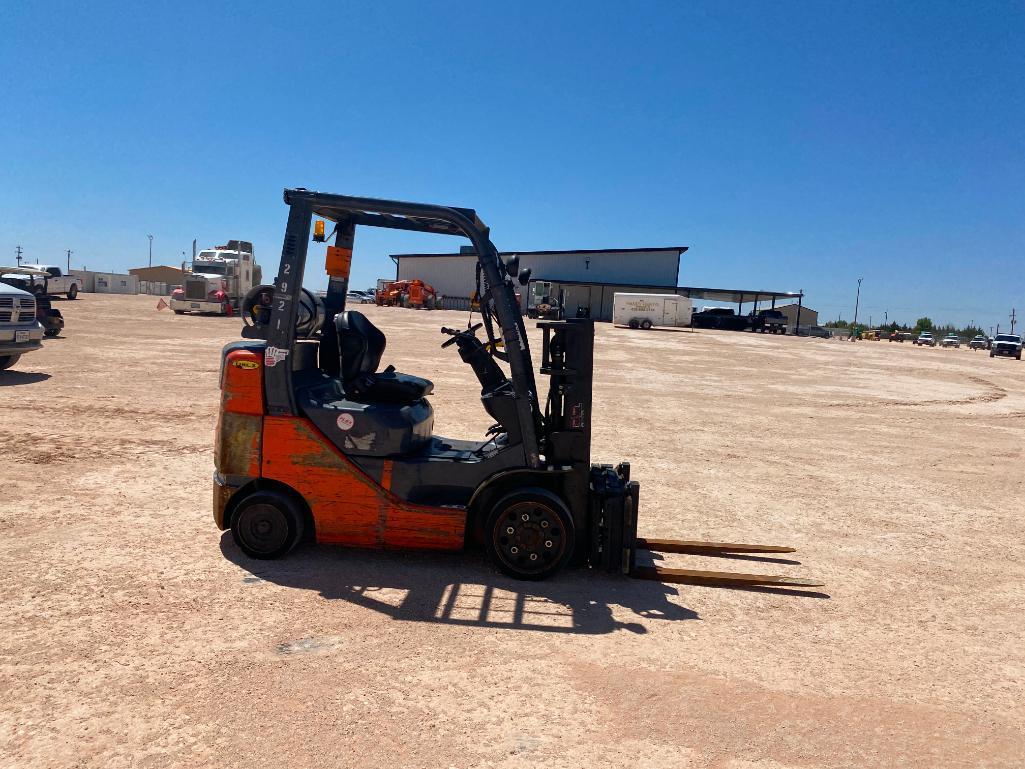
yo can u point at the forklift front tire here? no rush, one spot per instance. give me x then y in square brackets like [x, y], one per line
[529, 534]
[267, 524]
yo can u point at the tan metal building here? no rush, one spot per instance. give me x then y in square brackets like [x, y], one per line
[159, 274]
[809, 317]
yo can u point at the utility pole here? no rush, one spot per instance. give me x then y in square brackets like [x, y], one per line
[150, 250]
[69, 260]
[1014, 319]
[17, 251]
[857, 299]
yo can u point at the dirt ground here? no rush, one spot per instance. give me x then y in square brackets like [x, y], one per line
[134, 633]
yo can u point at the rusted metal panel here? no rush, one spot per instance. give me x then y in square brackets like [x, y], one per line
[237, 444]
[242, 383]
[348, 506]
[222, 494]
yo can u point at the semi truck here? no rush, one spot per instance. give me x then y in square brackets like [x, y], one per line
[650, 310]
[217, 280]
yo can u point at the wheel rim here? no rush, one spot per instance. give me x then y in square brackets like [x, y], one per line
[263, 528]
[529, 537]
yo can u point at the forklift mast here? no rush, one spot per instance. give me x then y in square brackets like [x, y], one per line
[347, 213]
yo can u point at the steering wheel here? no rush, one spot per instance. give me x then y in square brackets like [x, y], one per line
[456, 333]
[256, 310]
[309, 314]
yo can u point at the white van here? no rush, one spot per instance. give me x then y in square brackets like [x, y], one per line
[648, 310]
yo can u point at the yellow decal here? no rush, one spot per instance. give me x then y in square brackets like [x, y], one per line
[245, 364]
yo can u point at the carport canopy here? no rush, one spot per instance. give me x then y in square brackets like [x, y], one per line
[739, 296]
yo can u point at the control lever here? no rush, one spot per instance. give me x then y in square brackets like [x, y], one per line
[456, 333]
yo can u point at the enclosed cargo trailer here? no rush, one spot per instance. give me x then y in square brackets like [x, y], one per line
[649, 310]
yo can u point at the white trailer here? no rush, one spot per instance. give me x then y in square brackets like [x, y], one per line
[648, 310]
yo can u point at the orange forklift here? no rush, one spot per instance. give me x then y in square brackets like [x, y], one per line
[315, 441]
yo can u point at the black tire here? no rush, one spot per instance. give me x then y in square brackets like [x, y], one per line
[645, 324]
[267, 524]
[51, 332]
[73, 292]
[529, 534]
[179, 312]
[992, 355]
[6, 361]
[633, 323]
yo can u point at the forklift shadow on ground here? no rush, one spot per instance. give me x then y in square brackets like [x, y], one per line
[450, 589]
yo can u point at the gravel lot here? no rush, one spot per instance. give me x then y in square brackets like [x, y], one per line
[133, 633]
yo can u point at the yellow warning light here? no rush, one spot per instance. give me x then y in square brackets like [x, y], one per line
[318, 231]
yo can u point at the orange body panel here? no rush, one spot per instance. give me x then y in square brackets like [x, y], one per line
[242, 383]
[348, 507]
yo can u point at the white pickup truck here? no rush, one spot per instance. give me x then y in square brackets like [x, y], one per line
[1006, 344]
[61, 282]
[20, 332]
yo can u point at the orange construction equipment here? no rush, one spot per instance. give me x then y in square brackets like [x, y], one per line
[412, 293]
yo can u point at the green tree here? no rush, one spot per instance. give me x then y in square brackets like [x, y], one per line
[923, 324]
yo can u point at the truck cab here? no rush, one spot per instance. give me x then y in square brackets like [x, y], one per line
[20, 331]
[217, 280]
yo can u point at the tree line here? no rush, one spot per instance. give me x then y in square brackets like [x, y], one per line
[922, 324]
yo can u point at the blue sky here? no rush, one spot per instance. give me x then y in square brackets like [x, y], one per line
[790, 145]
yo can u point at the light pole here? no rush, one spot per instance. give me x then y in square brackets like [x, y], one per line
[857, 300]
[150, 250]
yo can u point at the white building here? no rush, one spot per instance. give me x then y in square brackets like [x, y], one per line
[588, 277]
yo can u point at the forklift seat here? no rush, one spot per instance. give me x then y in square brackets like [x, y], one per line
[360, 347]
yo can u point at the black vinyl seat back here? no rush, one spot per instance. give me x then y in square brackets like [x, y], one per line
[360, 347]
[360, 344]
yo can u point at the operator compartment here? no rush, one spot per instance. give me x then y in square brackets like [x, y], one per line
[365, 411]
[367, 429]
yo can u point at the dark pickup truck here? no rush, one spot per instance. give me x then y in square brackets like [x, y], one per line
[719, 317]
[773, 321]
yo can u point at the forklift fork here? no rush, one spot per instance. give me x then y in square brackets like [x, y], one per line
[615, 544]
[712, 578]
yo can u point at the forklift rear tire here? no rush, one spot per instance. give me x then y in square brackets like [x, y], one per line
[266, 524]
[530, 534]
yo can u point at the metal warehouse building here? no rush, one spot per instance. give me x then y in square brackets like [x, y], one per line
[589, 277]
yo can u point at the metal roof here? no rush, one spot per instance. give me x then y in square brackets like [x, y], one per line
[677, 249]
[736, 295]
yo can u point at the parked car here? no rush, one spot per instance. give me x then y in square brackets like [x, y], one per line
[979, 342]
[818, 331]
[1006, 344]
[925, 339]
[61, 282]
[951, 340]
[36, 282]
[20, 332]
[359, 297]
